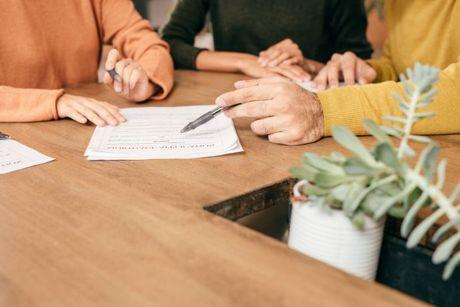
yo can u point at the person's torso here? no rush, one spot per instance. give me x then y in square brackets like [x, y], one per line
[48, 43]
[252, 26]
[426, 31]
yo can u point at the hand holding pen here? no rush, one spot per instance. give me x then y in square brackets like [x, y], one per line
[127, 77]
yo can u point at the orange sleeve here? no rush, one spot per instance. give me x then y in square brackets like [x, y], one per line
[124, 28]
[28, 105]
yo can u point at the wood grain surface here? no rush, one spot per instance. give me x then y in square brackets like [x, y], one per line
[134, 233]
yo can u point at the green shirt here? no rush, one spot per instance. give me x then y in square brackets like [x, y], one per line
[319, 27]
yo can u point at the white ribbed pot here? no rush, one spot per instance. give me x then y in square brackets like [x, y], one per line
[329, 236]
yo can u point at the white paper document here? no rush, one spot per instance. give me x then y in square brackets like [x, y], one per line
[309, 86]
[15, 156]
[154, 133]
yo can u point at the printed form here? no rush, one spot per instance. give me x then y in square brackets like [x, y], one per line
[15, 156]
[154, 133]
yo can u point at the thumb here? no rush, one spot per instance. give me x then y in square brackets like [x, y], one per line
[112, 59]
[365, 73]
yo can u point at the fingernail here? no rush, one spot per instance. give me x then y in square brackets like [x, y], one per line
[220, 102]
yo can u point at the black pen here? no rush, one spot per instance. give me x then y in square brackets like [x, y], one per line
[4, 136]
[204, 118]
[115, 76]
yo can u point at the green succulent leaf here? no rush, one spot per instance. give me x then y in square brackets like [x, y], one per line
[443, 252]
[385, 153]
[450, 266]
[427, 161]
[304, 172]
[313, 190]
[322, 164]
[326, 180]
[348, 140]
[409, 219]
[356, 167]
[442, 231]
[422, 228]
[381, 210]
[375, 130]
[358, 220]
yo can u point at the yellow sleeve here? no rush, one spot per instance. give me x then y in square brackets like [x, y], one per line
[384, 66]
[350, 105]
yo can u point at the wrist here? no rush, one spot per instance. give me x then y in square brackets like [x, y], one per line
[243, 59]
[319, 114]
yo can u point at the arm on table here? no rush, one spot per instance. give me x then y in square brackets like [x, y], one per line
[28, 105]
[186, 22]
[350, 105]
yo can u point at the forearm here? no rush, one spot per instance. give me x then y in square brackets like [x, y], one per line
[349, 106]
[222, 61]
[28, 105]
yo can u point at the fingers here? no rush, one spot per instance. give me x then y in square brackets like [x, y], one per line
[107, 79]
[267, 126]
[254, 109]
[98, 112]
[77, 116]
[293, 72]
[135, 78]
[126, 76]
[280, 58]
[366, 74]
[320, 81]
[291, 61]
[105, 113]
[89, 113]
[333, 74]
[112, 58]
[247, 94]
[348, 66]
[269, 56]
[286, 138]
[119, 68]
[257, 82]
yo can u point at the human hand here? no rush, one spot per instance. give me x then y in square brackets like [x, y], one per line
[251, 67]
[347, 67]
[283, 110]
[83, 109]
[135, 84]
[285, 52]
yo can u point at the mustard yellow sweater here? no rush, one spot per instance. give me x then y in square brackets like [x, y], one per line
[426, 31]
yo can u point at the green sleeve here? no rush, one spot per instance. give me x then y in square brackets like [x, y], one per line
[186, 22]
[348, 23]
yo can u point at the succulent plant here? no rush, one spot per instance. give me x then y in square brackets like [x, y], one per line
[381, 180]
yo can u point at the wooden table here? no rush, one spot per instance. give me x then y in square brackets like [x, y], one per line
[134, 233]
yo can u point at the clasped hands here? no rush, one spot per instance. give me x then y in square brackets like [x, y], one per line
[134, 86]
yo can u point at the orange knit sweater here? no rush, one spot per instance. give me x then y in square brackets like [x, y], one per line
[48, 44]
